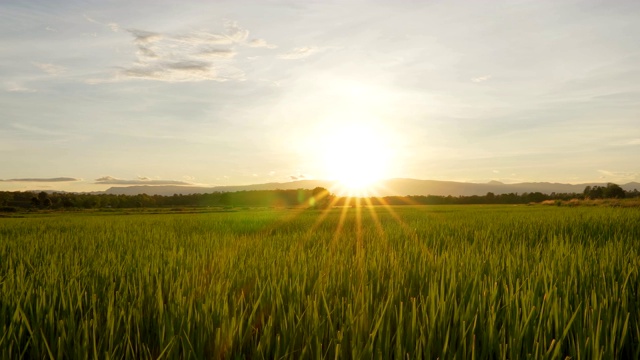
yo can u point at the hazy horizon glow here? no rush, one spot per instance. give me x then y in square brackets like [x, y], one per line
[230, 93]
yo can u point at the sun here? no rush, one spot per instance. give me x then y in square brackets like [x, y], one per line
[356, 157]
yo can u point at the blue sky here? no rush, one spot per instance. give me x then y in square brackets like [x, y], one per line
[100, 93]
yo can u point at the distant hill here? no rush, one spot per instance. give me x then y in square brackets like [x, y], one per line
[169, 190]
[445, 188]
[390, 187]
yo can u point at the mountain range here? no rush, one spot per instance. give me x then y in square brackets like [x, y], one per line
[390, 187]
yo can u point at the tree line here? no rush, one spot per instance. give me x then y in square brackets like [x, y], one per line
[314, 198]
[317, 198]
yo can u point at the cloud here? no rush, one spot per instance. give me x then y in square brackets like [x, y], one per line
[235, 32]
[90, 19]
[182, 72]
[626, 142]
[299, 53]
[619, 175]
[58, 135]
[217, 53]
[14, 87]
[481, 78]
[141, 180]
[112, 26]
[187, 57]
[202, 38]
[194, 56]
[50, 69]
[144, 37]
[620, 97]
[297, 177]
[261, 43]
[43, 180]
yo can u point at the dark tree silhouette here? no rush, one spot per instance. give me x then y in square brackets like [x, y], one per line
[614, 191]
[321, 198]
[611, 191]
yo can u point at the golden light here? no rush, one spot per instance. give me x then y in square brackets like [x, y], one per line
[357, 157]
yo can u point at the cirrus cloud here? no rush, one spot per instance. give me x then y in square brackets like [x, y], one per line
[18, 88]
[50, 69]
[299, 53]
[480, 79]
[193, 56]
[190, 57]
[619, 175]
[261, 43]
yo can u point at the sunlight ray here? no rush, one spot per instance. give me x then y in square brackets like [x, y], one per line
[358, 223]
[341, 220]
[406, 229]
[323, 215]
[374, 216]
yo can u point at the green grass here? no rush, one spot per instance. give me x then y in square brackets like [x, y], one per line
[450, 282]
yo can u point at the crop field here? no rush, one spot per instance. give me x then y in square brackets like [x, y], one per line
[463, 282]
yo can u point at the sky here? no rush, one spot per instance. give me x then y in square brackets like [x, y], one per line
[95, 94]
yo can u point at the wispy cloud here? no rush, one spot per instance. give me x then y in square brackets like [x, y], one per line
[15, 87]
[299, 53]
[43, 180]
[112, 26]
[619, 97]
[142, 180]
[36, 130]
[481, 78]
[194, 56]
[90, 19]
[235, 32]
[625, 142]
[258, 43]
[185, 57]
[50, 69]
[144, 37]
[217, 53]
[619, 175]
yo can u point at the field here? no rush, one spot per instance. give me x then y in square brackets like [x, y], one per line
[463, 282]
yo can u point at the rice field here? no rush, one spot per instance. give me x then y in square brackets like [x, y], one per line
[448, 282]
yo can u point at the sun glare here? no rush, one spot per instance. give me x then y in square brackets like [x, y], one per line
[356, 158]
